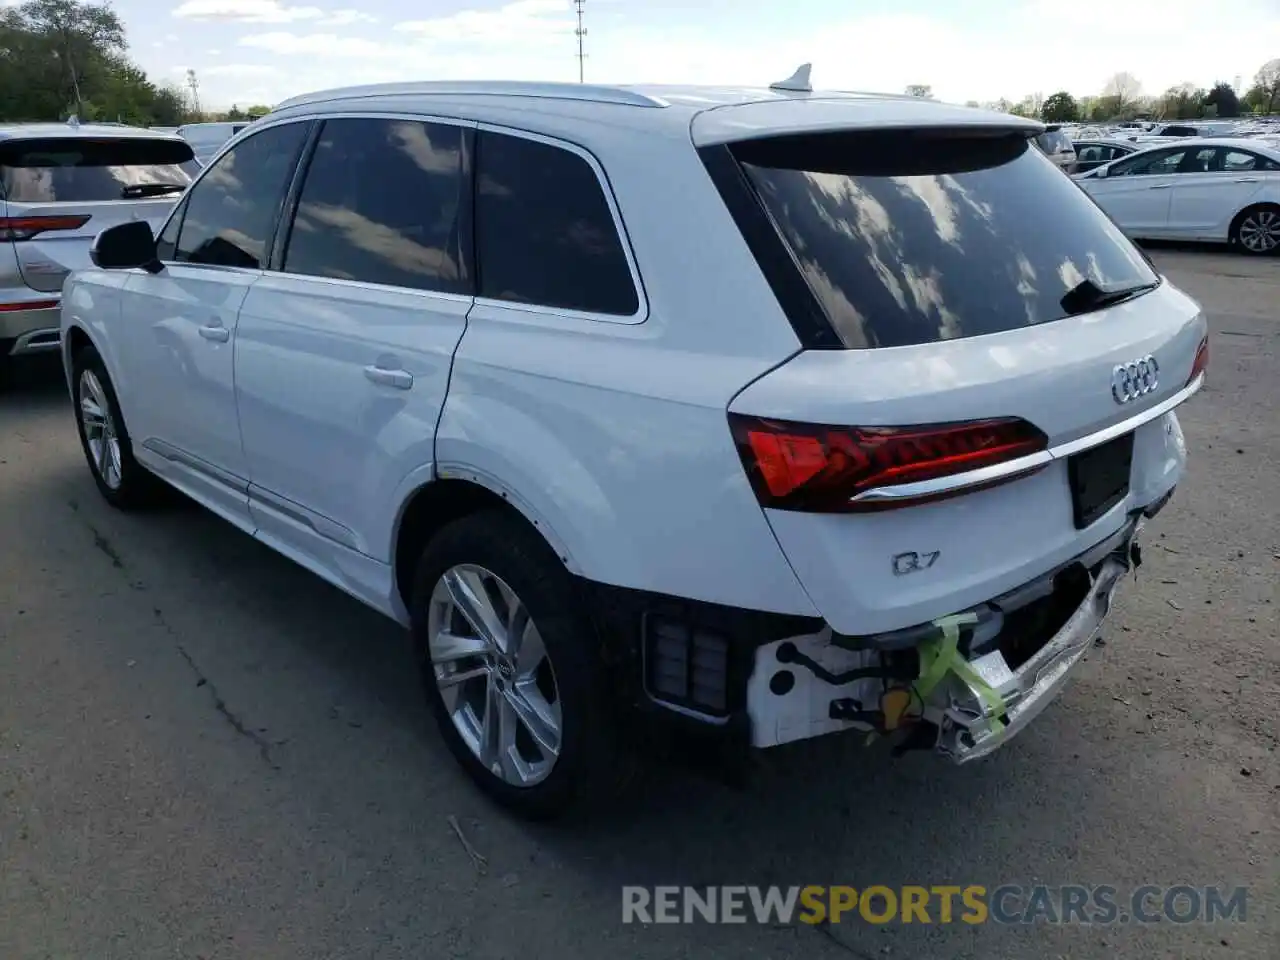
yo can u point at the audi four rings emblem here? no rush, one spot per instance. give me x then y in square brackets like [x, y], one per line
[1134, 379]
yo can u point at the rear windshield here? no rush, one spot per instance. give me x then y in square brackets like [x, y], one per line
[907, 238]
[67, 170]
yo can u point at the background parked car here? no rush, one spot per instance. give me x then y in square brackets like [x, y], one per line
[207, 138]
[1056, 144]
[1210, 189]
[1094, 153]
[60, 185]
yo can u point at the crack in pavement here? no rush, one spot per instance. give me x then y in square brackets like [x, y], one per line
[99, 540]
[103, 544]
[238, 725]
[219, 704]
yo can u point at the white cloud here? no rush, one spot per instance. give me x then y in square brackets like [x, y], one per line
[1041, 47]
[516, 22]
[246, 11]
[315, 44]
[345, 18]
[238, 70]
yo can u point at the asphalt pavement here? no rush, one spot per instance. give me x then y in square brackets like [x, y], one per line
[206, 752]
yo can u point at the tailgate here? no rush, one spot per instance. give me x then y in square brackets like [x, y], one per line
[990, 325]
[47, 257]
[881, 567]
[62, 191]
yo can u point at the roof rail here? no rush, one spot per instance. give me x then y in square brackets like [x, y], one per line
[500, 88]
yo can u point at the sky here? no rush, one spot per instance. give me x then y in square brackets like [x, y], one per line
[262, 51]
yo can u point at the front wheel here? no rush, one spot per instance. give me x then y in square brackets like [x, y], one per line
[122, 481]
[511, 667]
[1257, 230]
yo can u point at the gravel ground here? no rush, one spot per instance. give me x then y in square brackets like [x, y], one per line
[205, 752]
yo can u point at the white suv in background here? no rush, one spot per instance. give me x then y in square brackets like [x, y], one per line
[750, 415]
[60, 186]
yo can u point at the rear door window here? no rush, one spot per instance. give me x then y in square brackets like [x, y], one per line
[913, 238]
[386, 201]
[75, 170]
[545, 233]
[230, 215]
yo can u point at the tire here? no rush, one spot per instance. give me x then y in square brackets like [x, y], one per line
[123, 482]
[1256, 230]
[587, 767]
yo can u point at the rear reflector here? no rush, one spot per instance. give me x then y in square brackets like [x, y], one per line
[24, 228]
[809, 467]
[1201, 362]
[28, 305]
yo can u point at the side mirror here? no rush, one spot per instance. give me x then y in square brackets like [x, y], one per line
[126, 246]
[1100, 173]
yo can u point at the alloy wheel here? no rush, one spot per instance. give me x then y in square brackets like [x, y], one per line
[100, 430]
[1260, 231]
[494, 675]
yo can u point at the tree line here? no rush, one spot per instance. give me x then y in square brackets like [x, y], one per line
[1123, 99]
[64, 58]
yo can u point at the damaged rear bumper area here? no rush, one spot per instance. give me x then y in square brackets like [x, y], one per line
[963, 685]
[972, 722]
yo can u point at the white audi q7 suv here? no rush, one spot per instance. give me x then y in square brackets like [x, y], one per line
[736, 416]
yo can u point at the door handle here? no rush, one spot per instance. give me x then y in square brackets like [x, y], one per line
[400, 379]
[1246, 179]
[218, 333]
[1161, 186]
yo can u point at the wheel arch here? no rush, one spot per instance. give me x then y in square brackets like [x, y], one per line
[439, 501]
[75, 339]
[1244, 211]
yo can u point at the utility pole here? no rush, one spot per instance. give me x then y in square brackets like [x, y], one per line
[71, 68]
[581, 33]
[194, 85]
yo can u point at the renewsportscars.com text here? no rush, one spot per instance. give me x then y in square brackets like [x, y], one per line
[937, 904]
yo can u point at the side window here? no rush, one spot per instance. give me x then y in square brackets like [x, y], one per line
[232, 211]
[1238, 161]
[386, 201]
[1092, 153]
[544, 232]
[167, 242]
[1200, 161]
[1166, 161]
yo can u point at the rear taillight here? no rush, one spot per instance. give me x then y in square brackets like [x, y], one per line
[1201, 362]
[800, 466]
[24, 228]
[28, 305]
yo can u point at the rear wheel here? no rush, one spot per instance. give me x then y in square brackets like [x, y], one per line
[121, 480]
[511, 667]
[1257, 230]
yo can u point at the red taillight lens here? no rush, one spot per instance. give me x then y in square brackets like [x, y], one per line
[1201, 362]
[28, 305]
[801, 466]
[24, 228]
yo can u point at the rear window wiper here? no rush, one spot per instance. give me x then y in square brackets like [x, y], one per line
[135, 190]
[1086, 296]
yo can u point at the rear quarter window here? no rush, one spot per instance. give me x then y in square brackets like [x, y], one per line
[910, 238]
[69, 170]
[545, 233]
